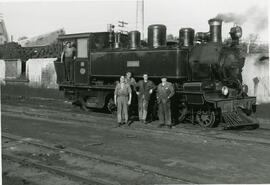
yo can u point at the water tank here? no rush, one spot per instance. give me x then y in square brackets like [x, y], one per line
[186, 37]
[134, 39]
[157, 35]
[215, 30]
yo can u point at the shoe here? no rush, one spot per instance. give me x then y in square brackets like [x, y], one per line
[144, 122]
[129, 123]
[170, 125]
[161, 125]
[123, 123]
[119, 124]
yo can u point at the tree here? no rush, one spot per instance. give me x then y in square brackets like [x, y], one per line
[171, 37]
[22, 38]
[252, 38]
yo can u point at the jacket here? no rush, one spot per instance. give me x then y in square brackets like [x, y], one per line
[144, 90]
[164, 93]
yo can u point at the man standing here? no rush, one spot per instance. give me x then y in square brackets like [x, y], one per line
[131, 82]
[69, 54]
[122, 98]
[144, 89]
[165, 91]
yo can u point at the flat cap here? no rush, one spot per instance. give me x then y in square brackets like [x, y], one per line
[163, 76]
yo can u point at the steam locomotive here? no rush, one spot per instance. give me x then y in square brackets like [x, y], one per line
[206, 73]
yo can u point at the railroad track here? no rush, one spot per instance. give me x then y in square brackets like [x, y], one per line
[105, 123]
[259, 136]
[50, 169]
[130, 166]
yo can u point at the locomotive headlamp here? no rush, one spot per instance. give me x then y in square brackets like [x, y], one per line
[236, 32]
[225, 90]
[245, 88]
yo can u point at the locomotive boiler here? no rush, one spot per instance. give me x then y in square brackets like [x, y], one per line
[206, 73]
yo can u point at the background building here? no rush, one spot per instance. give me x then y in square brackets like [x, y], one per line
[3, 31]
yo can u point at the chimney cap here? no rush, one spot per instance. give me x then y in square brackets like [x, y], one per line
[215, 21]
[187, 29]
[156, 26]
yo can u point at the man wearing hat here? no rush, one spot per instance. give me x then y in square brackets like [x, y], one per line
[165, 91]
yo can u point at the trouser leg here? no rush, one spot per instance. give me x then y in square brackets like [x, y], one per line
[155, 111]
[71, 68]
[140, 108]
[129, 111]
[134, 103]
[67, 69]
[131, 107]
[125, 109]
[119, 110]
[161, 116]
[167, 112]
[123, 113]
[144, 111]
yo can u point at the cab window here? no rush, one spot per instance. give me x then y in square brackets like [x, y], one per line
[82, 48]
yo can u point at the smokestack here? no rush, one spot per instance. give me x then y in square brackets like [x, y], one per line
[215, 30]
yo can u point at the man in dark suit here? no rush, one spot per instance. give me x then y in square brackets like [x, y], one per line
[165, 91]
[144, 89]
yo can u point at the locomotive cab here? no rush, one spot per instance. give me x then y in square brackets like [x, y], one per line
[79, 64]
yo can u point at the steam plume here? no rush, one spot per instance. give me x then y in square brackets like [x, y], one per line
[258, 16]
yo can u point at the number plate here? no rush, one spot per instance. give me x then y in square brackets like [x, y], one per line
[134, 63]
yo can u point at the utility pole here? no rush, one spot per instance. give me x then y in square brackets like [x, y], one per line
[122, 24]
[137, 14]
[142, 19]
[140, 16]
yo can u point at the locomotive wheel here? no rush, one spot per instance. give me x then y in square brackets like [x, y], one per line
[206, 118]
[112, 108]
[182, 112]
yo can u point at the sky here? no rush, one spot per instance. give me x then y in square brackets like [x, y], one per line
[24, 18]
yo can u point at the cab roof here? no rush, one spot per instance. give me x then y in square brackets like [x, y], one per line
[78, 35]
[73, 36]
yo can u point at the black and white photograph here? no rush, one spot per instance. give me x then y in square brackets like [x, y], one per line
[134, 92]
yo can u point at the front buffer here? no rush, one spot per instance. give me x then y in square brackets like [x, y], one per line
[238, 112]
[210, 108]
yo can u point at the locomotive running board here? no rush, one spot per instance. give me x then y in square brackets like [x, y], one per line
[238, 119]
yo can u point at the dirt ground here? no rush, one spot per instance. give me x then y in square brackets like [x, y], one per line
[184, 154]
[263, 111]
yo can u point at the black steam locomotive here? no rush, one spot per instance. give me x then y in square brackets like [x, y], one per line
[206, 72]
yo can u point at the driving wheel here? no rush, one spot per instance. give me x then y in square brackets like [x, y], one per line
[206, 118]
